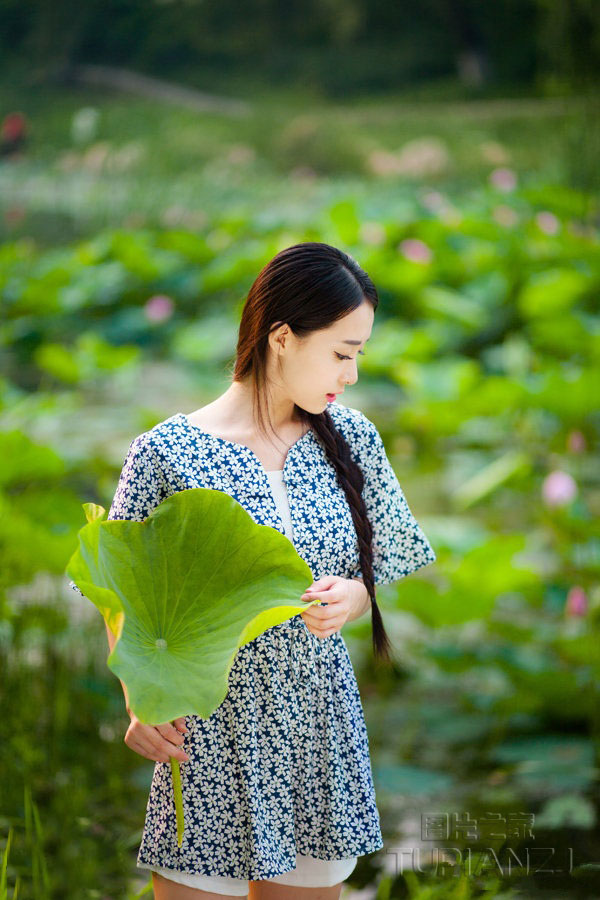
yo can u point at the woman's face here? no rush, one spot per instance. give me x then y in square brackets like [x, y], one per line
[322, 363]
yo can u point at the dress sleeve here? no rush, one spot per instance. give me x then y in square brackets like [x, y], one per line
[141, 486]
[399, 544]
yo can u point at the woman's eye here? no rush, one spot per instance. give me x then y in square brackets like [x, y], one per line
[340, 356]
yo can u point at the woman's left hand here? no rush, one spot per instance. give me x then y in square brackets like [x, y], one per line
[341, 596]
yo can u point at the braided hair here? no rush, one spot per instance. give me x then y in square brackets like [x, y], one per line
[309, 286]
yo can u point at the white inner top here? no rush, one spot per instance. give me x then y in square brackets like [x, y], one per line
[281, 500]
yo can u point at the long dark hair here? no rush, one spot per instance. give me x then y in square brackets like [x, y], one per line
[309, 286]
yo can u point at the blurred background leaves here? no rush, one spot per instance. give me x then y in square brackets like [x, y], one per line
[454, 154]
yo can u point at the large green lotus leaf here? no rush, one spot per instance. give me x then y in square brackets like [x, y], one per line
[182, 591]
[85, 562]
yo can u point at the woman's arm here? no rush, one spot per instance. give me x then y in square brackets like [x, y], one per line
[363, 601]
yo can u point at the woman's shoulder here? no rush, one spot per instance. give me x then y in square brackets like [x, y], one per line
[354, 425]
[155, 443]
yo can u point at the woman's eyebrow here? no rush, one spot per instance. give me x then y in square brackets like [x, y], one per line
[353, 342]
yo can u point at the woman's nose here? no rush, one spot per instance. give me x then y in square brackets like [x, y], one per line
[352, 375]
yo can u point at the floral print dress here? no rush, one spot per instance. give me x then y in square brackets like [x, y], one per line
[282, 766]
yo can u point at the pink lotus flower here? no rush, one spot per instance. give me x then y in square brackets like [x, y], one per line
[558, 489]
[547, 222]
[576, 442]
[158, 308]
[577, 602]
[504, 179]
[415, 250]
[440, 206]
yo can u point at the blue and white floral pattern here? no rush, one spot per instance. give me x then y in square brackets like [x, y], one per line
[282, 766]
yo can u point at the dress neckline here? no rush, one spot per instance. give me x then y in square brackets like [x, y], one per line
[239, 446]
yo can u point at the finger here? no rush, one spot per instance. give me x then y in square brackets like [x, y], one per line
[325, 582]
[160, 754]
[313, 621]
[332, 595]
[325, 630]
[325, 627]
[322, 584]
[181, 724]
[316, 614]
[170, 733]
[320, 603]
[321, 634]
[165, 745]
[166, 748]
[322, 598]
[150, 753]
[144, 748]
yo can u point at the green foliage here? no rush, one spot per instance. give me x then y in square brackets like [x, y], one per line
[223, 581]
[481, 374]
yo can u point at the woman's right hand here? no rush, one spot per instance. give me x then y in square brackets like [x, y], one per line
[157, 742]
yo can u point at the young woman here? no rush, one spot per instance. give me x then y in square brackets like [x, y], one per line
[277, 783]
